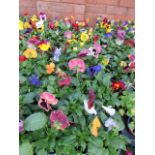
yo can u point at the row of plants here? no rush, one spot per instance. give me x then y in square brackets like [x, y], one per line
[76, 85]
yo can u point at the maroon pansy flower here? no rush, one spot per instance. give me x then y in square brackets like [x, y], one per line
[59, 120]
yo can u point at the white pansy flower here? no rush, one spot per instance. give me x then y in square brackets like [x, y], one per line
[89, 110]
[109, 123]
[39, 24]
[111, 111]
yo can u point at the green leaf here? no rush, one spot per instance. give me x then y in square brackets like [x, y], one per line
[22, 79]
[117, 143]
[28, 98]
[35, 121]
[107, 79]
[26, 149]
[42, 152]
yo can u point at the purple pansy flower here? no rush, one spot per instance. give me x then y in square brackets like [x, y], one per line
[108, 35]
[34, 80]
[57, 54]
[93, 70]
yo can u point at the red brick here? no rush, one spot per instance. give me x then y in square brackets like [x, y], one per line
[96, 8]
[131, 12]
[109, 2]
[27, 3]
[30, 11]
[127, 3]
[79, 9]
[115, 10]
[74, 1]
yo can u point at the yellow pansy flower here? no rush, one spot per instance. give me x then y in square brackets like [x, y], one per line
[21, 25]
[34, 18]
[81, 44]
[123, 64]
[105, 61]
[96, 124]
[107, 27]
[30, 53]
[27, 25]
[56, 24]
[84, 37]
[101, 25]
[41, 28]
[50, 68]
[44, 46]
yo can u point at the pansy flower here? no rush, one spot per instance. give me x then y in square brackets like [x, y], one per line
[128, 152]
[60, 73]
[47, 99]
[65, 82]
[95, 38]
[34, 40]
[111, 111]
[59, 120]
[68, 34]
[50, 68]
[108, 35]
[22, 58]
[84, 53]
[94, 70]
[89, 104]
[120, 34]
[77, 64]
[21, 25]
[132, 65]
[130, 42]
[84, 37]
[42, 16]
[119, 85]
[21, 124]
[96, 124]
[75, 26]
[34, 80]
[131, 57]
[30, 53]
[110, 123]
[44, 46]
[51, 25]
[57, 54]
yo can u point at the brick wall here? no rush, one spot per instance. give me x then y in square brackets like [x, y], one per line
[113, 9]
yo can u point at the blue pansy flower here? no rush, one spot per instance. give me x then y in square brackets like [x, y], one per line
[57, 54]
[108, 35]
[93, 70]
[34, 80]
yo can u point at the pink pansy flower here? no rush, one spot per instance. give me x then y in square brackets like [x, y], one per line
[68, 34]
[83, 53]
[59, 120]
[65, 82]
[128, 153]
[77, 64]
[132, 65]
[47, 99]
[98, 48]
[21, 129]
[51, 25]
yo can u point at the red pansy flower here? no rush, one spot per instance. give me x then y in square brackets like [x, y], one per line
[22, 58]
[118, 85]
